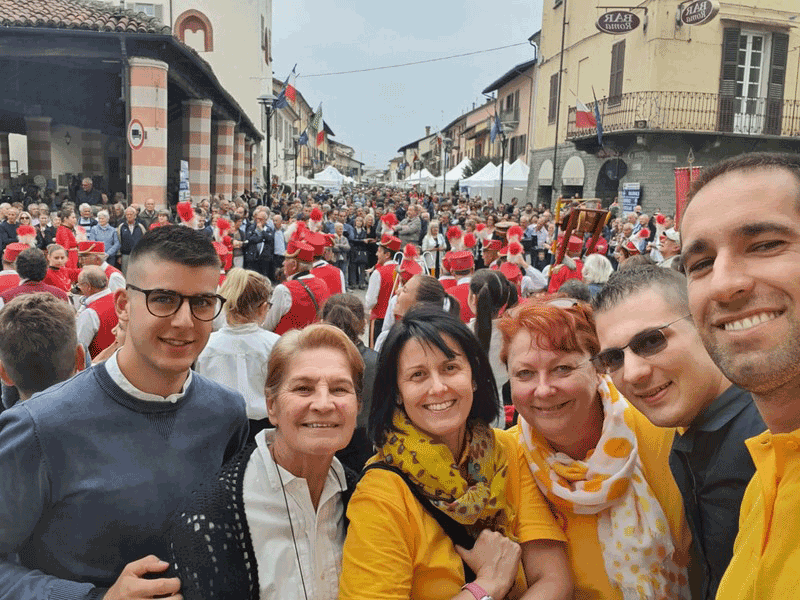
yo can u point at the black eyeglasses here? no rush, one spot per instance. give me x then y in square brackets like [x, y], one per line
[165, 303]
[644, 344]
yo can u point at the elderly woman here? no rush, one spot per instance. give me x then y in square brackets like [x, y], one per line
[433, 244]
[596, 271]
[104, 232]
[282, 500]
[601, 466]
[434, 515]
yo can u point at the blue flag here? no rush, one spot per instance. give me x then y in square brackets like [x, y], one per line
[598, 119]
[281, 101]
[497, 128]
[303, 139]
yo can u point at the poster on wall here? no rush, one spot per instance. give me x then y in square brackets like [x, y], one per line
[183, 189]
[631, 193]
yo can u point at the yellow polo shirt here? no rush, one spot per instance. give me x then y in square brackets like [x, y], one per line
[395, 550]
[583, 544]
[766, 554]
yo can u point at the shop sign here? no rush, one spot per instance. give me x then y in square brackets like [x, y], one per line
[699, 12]
[617, 22]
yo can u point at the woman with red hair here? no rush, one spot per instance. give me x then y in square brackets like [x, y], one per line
[600, 465]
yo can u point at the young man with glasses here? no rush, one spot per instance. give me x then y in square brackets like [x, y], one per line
[91, 468]
[653, 353]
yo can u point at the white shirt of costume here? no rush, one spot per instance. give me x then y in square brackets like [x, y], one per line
[112, 366]
[318, 534]
[281, 303]
[236, 356]
[116, 281]
[87, 321]
[538, 281]
[322, 263]
[374, 287]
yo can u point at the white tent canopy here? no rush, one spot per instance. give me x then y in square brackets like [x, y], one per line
[454, 174]
[329, 177]
[423, 178]
[484, 178]
[516, 175]
[486, 182]
[303, 181]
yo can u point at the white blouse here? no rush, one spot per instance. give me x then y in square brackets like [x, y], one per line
[236, 356]
[318, 535]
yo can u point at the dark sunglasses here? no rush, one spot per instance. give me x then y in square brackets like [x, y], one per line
[644, 344]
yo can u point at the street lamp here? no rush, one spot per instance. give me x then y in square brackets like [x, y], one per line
[295, 139]
[448, 145]
[267, 100]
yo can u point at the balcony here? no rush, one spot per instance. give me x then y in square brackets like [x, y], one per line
[693, 112]
[510, 118]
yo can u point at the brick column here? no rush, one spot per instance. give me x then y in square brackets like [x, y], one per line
[197, 146]
[148, 81]
[248, 165]
[40, 158]
[238, 163]
[5, 162]
[92, 152]
[222, 139]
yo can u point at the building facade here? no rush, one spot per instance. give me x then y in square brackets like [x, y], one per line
[670, 95]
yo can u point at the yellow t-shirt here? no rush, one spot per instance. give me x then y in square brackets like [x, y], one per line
[766, 554]
[395, 550]
[583, 545]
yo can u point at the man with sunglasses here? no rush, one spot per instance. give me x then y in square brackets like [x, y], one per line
[653, 353]
[91, 468]
[741, 244]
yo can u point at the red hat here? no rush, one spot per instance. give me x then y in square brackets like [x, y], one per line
[316, 240]
[511, 271]
[91, 248]
[223, 224]
[297, 248]
[409, 266]
[185, 211]
[12, 251]
[601, 247]
[461, 261]
[575, 243]
[390, 242]
[25, 230]
[315, 219]
[493, 245]
[514, 233]
[221, 249]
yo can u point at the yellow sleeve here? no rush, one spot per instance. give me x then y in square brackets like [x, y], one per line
[377, 555]
[535, 520]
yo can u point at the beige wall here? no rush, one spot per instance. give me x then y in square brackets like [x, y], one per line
[665, 57]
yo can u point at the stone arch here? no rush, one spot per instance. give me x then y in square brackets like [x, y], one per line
[195, 21]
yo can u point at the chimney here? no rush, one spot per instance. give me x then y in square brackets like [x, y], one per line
[427, 130]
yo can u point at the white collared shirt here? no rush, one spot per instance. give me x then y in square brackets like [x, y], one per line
[318, 534]
[112, 366]
[236, 356]
[87, 321]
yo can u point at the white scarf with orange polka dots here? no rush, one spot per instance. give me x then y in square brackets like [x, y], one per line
[631, 525]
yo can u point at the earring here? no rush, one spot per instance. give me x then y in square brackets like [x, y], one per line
[474, 387]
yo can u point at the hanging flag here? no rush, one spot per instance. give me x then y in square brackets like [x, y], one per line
[316, 120]
[497, 128]
[583, 116]
[291, 89]
[319, 125]
[598, 119]
[303, 139]
[281, 101]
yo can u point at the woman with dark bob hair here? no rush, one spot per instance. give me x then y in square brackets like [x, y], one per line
[434, 515]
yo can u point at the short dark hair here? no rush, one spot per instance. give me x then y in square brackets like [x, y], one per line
[748, 162]
[345, 311]
[66, 213]
[32, 264]
[37, 341]
[176, 244]
[626, 282]
[428, 324]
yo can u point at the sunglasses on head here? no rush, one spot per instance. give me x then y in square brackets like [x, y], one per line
[644, 344]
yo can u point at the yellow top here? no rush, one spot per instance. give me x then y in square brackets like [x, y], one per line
[583, 545]
[395, 550]
[766, 554]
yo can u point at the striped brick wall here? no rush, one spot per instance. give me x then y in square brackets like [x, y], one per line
[248, 165]
[92, 152]
[40, 160]
[148, 90]
[222, 142]
[238, 163]
[5, 162]
[197, 146]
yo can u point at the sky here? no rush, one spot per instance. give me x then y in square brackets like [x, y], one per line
[377, 112]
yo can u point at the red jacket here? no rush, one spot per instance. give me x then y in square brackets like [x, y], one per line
[330, 275]
[62, 278]
[303, 312]
[104, 307]
[563, 274]
[448, 282]
[461, 293]
[8, 280]
[65, 238]
[33, 287]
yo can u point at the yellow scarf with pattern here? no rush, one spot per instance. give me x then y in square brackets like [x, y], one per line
[477, 500]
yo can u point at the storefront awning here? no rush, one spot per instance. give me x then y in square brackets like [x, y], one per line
[574, 172]
[546, 173]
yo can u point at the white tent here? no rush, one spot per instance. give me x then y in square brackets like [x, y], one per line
[487, 177]
[423, 178]
[516, 175]
[329, 177]
[302, 181]
[454, 174]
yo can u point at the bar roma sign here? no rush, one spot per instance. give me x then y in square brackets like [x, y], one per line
[617, 22]
[699, 12]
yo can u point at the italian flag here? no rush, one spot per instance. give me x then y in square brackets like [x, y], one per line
[583, 116]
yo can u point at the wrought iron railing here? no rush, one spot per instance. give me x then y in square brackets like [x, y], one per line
[692, 112]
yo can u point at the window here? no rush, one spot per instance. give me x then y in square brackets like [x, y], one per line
[201, 33]
[617, 71]
[553, 107]
[148, 9]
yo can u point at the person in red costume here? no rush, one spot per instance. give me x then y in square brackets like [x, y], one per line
[59, 274]
[381, 280]
[571, 266]
[65, 237]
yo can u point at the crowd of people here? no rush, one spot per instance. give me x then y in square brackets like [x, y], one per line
[523, 403]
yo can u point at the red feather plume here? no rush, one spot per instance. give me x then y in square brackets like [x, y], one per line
[299, 231]
[454, 232]
[480, 227]
[390, 219]
[661, 219]
[24, 230]
[316, 214]
[223, 224]
[410, 252]
[515, 248]
[185, 211]
[644, 233]
[469, 240]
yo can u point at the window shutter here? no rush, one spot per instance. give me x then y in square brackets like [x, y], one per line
[727, 80]
[617, 73]
[551, 113]
[777, 78]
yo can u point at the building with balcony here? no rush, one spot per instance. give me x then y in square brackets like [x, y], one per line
[669, 94]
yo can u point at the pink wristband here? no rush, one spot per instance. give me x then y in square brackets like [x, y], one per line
[477, 591]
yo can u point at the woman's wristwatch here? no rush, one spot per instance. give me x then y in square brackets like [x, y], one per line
[477, 591]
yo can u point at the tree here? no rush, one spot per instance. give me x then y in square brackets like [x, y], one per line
[477, 163]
